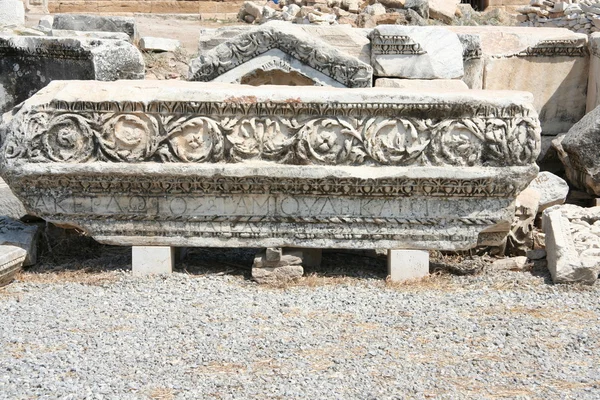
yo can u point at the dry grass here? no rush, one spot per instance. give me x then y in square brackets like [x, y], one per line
[437, 281]
[215, 367]
[83, 276]
[161, 393]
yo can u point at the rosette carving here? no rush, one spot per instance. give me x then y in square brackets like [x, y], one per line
[197, 140]
[328, 141]
[66, 138]
[129, 137]
[261, 139]
[396, 141]
[457, 142]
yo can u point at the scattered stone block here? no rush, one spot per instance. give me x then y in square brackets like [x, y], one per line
[443, 10]
[572, 243]
[553, 190]
[188, 164]
[11, 262]
[536, 254]
[438, 85]
[579, 151]
[81, 22]
[407, 264]
[10, 206]
[543, 61]
[27, 64]
[416, 52]
[518, 263]
[16, 233]
[152, 260]
[280, 56]
[520, 237]
[90, 34]
[274, 265]
[156, 44]
[12, 12]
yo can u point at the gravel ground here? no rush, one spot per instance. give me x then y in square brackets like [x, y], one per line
[87, 329]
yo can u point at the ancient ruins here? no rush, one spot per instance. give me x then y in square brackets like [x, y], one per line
[307, 127]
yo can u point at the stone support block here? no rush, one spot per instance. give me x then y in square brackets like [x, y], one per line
[16, 233]
[27, 64]
[407, 264]
[416, 52]
[193, 164]
[152, 260]
[275, 265]
[11, 262]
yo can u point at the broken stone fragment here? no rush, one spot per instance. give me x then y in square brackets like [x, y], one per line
[16, 233]
[275, 266]
[81, 22]
[553, 190]
[11, 262]
[156, 44]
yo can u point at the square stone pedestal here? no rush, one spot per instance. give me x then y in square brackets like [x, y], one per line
[152, 260]
[407, 264]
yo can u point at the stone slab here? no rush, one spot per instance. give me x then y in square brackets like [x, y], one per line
[407, 264]
[572, 243]
[196, 164]
[284, 49]
[416, 52]
[10, 206]
[90, 34]
[157, 44]
[152, 260]
[27, 64]
[551, 63]
[438, 85]
[553, 190]
[11, 262]
[85, 22]
[16, 233]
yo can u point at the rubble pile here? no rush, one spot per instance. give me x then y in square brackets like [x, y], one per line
[581, 17]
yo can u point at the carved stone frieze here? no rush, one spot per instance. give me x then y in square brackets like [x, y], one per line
[164, 163]
[291, 42]
[557, 47]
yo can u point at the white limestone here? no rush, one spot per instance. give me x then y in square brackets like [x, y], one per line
[572, 243]
[152, 260]
[416, 52]
[553, 190]
[12, 12]
[438, 85]
[10, 206]
[407, 264]
[157, 44]
[11, 262]
[196, 164]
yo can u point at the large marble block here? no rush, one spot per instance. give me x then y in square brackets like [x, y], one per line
[27, 64]
[416, 52]
[551, 63]
[12, 12]
[154, 163]
[280, 53]
[98, 23]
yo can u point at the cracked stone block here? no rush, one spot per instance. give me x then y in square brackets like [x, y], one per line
[11, 262]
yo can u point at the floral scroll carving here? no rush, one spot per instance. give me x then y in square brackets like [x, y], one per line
[51, 135]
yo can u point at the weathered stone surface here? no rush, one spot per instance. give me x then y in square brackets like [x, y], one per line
[553, 190]
[593, 89]
[443, 10]
[520, 238]
[416, 52]
[10, 206]
[189, 164]
[579, 151]
[16, 233]
[439, 85]
[282, 48]
[352, 41]
[473, 62]
[11, 261]
[572, 243]
[12, 12]
[276, 265]
[28, 64]
[551, 63]
[156, 44]
[518, 263]
[81, 22]
[90, 34]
